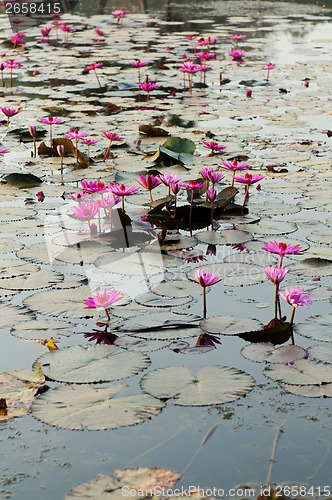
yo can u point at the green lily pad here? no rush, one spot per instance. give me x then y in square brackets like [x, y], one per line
[92, 363]
[227, 325]
[304, 372]
[79, 407]
[309, 391]
[267, 352]
[322, 353]
[316, 327]
[213, 385]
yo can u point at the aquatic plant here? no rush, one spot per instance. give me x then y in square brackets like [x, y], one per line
[18, 39]
[296, 297]
[248, 179]
[75, 135]
[237, 55]
[104, 300]
[89, 143]
[86, 211]
[149, 182]
[234, 166]
[119, 14]
[61, 152]
[51, 120]
[93, 67]
[111, 137]
[169, 179]
[121, 190]
[211, 196]
[190, 68]
[9, 112]
[139, 64]
[236, 38]
[282, 249]
[11, 64]
[276, 274]
[268, 67]
[148, 86]
[213, 146]
[206, 279]
[190, 187]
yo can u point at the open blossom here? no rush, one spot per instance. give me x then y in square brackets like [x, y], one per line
[249, 179]
[111, 136]
[205, 172]
[237, 37]
[9, 112]
[139, 63]
[205, 278]
[269, 66]
[149, 182]
[282, 249]
[104, 299]
[296, 297]
[214, 146]
[121, 190]
[189, 67]
[93, 67]
[3, 151]
[94, 186]
[109, 201]
[206, 56]
[18, 39]
[148, 86]
[50, 120]
[215, 177]
[193, 185]
[275, 273]
[78, 196]
[99, 31]
[12, 64]
[75, 134]
[169, 178]
[86, 211]
[237, 55]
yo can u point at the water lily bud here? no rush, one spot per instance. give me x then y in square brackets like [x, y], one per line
[61, 150]
[32, 130]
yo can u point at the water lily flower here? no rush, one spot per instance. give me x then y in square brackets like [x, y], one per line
[45, 32]
[191, 186]
[99, 31]
[104, 300]
[206, 56]
[234, 166]
[94, 187]
[18, 39]
[248, 179]
[79, 196]
[109, 201]
[205, 279]
[211, 195]
[9, 112]
[139, 64]
[149, 182]
[249, 93]
[51, 120]
[122, 191]
[168, 179]
[86, 211]
[213, 146]
[40, 196]
[111, 137]
[61, 152]
[237, 55]
[148, 86]
[75, 135]
[296, 297]
[237, 38]
[4, 151]
[119, 14]
[190, 68]
[268, 67]
[89, 143]
[276, 274]
[66, 29]
[282, 249]
[93, 67]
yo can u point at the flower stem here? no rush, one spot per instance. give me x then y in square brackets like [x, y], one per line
[191, 207]
[34, 147]
[204, 302]
[276, 300]
[292, 317]
[50, 135]
[107, 314]
[123, 204]
[245, 196]
[97, 78]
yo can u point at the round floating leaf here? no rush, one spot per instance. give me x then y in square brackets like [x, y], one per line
[176, 288]
[10, 268]
[40, 279]
[103, 488]
[196, 349]
[236, 274]
[11, 214]
[156, 319]
[304, 372]
[41, 329]
[137, 264]
[79, 407]
[178, 243]
[322, 353]
[256, 246]
[309, 391]
[316, 327]
[10, 315]
[7, 246]
[258, 259]
[273, 209]
[135, 344]
[267, 352]
[91, 363]
[213, 385]
[322, 236]
[227, 325]
[312, 267]
[153, 300]
[271, 227]
[227, 237]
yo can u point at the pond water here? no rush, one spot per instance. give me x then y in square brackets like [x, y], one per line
[50, 262]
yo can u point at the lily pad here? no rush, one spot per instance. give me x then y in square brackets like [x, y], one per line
[213, 385]
[322, 236]
[41, 329]
[271, 227]
[304, 372]
[22, 181]
[309, 391]
[92, 363]
[227, 325]
[40, 279]
[322, 353]
[266, 352]
[237, 274]
[228, 237]
[153, 300]
[316, 327]
[79, 407]
[176, 288]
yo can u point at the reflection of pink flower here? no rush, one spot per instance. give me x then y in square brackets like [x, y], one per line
[103, 300]
[101, 337]
[78, 196]
[295, 297]
[206, 339]
[109, 201]
[275, 273]
[237, 37]
[194, 259]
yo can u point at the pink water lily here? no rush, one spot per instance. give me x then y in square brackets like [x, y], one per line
[4, 151]
[234, 166]
[237, 38]
[122, 191]
[248, 179]
[86, 211]
[149, 182]
[190, 68]
[79, 196]
[276, 274]
[206, 56]
[51, 120]
[9, 112]
[40, 196]
[93, 67]
[18, 39]
[139, 64]
[268, 67]
[119, 13]
[148, 86]
[111, 137]
[94, 186]
[237, 55]
[213, 146]
[211, 195]
[75, 135]
[104, 300]
[190, 187]
[205, 279]
[296, 297]
[282, 249]
[168, 179]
